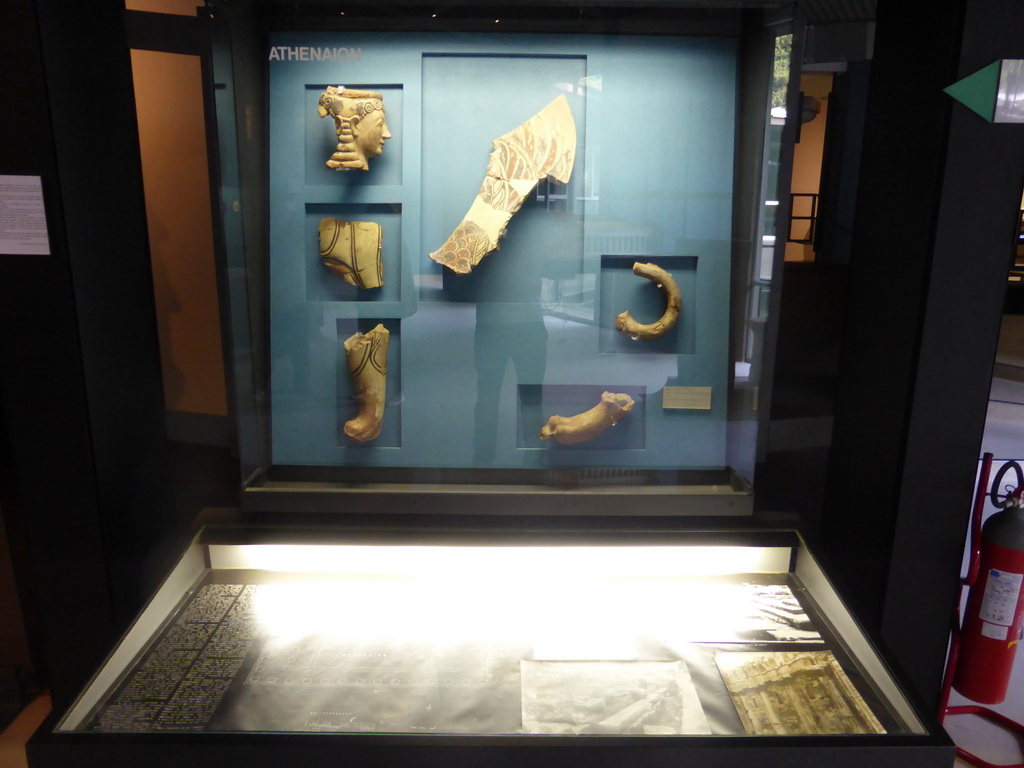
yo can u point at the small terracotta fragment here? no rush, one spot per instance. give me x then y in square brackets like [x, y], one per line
[568, 430]
[367, 357]
[359, 123]
[351, 249]
[625, 322]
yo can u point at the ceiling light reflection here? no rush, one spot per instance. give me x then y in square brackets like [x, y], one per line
[483, 562]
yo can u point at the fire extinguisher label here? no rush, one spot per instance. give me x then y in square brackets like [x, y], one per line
[994, 631]
[1000, 602]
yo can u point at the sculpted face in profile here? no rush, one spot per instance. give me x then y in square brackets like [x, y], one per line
[359, 123]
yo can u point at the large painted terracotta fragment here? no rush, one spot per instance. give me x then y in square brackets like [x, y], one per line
[542, 147]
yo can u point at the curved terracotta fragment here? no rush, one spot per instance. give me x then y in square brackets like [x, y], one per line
[568, 430]
[625, 322]
[367, 357]
[351, 249]
[542, 147]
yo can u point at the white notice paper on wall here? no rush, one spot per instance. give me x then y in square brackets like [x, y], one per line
[23, 216]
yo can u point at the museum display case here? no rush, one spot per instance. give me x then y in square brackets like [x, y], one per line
[499, 295]
[427, 644]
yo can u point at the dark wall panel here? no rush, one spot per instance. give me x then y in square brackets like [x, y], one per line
[87, 485]
[932, 241]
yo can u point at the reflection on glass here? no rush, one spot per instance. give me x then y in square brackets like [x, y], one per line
[486, 355]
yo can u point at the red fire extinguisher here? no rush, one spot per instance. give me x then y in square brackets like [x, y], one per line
[993, 622]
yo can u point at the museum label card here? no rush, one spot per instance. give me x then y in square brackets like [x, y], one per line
[23, 216]
[687, 398]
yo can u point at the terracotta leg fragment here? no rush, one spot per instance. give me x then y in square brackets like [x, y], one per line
[367, 358]
[625, 323]
[589, 424]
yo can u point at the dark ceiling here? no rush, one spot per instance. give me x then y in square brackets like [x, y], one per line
[838, 11]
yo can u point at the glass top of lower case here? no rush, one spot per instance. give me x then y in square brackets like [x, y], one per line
[524, 652]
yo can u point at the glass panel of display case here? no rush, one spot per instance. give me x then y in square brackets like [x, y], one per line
[472, 342]
[545, 226]
[681, 636]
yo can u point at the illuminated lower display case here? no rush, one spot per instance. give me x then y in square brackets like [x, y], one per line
[419, 647]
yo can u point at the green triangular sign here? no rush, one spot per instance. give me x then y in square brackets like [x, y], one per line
[977, 92]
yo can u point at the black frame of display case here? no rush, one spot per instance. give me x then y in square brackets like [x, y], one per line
[81, 392]
[272, 750]
[54, 748]
[238, 29]
[495, 492]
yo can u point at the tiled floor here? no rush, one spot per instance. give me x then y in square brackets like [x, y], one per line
[1004, 427]
[1004, 439]
[985, 739]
